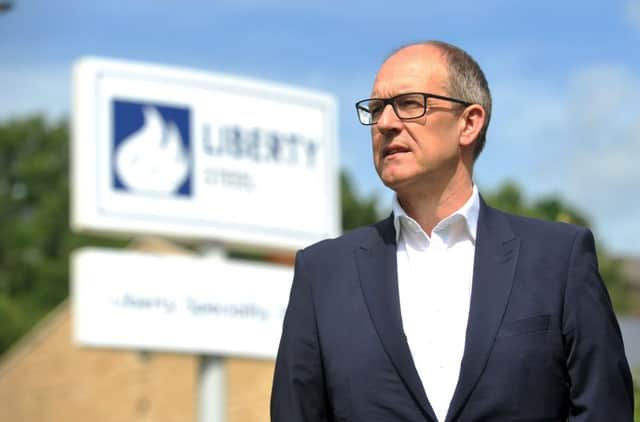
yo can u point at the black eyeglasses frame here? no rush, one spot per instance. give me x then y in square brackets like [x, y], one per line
[391, 101]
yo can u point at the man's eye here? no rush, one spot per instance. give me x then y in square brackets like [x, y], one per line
[410, 104]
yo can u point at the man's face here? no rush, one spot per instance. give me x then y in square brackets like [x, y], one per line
[410, 153]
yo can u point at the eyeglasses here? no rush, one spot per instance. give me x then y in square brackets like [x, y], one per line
[406, 106]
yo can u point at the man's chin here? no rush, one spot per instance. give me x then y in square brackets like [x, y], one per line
[394, 182]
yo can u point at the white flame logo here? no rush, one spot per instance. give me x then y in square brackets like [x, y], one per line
[153, 158]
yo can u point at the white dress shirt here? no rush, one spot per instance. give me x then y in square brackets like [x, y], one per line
[434, 282]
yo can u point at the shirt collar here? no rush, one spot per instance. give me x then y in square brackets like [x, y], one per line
[469, 211]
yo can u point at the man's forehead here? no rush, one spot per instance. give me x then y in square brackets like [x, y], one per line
[417, 67]
[426, 51]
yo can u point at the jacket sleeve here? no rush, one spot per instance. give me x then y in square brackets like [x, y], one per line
[298, 393]
[600, 387]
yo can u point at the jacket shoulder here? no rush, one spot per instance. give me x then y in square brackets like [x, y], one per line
[544, 231]
[350, 240]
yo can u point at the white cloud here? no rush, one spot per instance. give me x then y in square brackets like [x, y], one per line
[528, 130]
[604, 173]
[604, 123]
[632, 13]
[579, 139]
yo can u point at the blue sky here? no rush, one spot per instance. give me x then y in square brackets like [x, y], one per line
[565, 76]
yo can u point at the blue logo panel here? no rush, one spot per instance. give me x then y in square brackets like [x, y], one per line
[151, 151]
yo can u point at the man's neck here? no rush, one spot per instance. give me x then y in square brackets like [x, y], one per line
[432, 203]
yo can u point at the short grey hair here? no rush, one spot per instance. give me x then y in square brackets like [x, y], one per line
[466, 82]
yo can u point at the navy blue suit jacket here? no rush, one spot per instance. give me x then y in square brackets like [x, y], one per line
[542, 341]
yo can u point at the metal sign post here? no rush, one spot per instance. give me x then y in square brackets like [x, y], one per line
[211, 389]
[211, 377]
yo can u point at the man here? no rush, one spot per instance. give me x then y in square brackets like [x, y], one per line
[448, 310]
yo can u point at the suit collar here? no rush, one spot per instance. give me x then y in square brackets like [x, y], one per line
[469, 213]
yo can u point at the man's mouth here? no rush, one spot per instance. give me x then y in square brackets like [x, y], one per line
[394, 150]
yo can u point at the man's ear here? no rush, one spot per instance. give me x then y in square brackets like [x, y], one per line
[472, 120]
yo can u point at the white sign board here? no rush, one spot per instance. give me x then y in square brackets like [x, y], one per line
[125, 299]
[189, 154]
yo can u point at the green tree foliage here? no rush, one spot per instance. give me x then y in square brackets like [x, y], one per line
[356, 210]
[35, 240]
[509, 197]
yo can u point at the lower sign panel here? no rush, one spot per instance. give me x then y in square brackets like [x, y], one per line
[125, 299]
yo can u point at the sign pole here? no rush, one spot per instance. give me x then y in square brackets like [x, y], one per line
[211, 373]
[211, 389]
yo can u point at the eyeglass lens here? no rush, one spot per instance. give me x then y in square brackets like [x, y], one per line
[406, 106]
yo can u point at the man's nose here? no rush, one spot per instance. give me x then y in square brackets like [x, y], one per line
[388, 120]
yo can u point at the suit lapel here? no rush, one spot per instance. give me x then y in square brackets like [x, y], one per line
[495, 261]
[379, 282]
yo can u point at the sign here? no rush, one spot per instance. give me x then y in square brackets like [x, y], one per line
[133, 300]
[195, 155]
